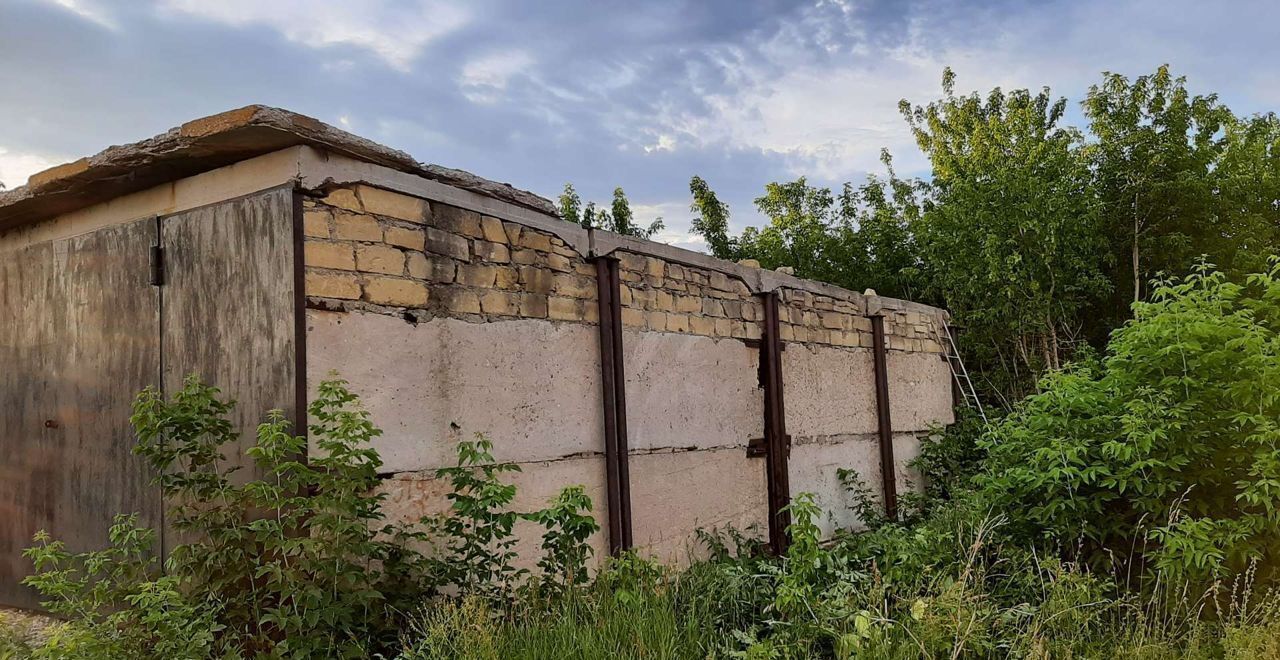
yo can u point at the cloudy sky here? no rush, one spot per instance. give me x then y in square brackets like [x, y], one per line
[598, 92]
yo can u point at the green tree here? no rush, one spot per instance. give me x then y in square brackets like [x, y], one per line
[1010, 237]
[1155, 147]
[1246, 183]
[1166, 450]
[858, 239]
[622, 221]
[799, 233]
[617, 218]
[878, 217]
[570, 206]
[712, 221]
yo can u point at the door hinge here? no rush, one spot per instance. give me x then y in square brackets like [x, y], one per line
[157, 265]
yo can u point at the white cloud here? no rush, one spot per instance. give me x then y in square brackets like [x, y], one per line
[484, 79]
[87, 10]
[675, 218]
[396, 32]
[829, 115]
[16, 166]
[822, 93]
[665, 142]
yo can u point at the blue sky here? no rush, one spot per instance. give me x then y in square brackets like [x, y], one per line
[603, 93]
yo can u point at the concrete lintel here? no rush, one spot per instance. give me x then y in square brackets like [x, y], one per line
[237, 179]
[209, 143]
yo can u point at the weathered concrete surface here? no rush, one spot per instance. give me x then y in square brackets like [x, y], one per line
[814, 468]
[815, 465]
[688, 391]
[906, 447]
[919, 391]
[531, 386]
[675, 494]
[829, 391]
[411, 496]
[672, 496]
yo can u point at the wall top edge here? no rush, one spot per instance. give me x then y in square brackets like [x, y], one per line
[319, 170]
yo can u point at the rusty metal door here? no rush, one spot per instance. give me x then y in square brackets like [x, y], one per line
[79, 338]
[83, 329]
[230, 311]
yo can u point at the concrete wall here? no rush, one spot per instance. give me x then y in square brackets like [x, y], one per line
[532, 387]
[448, 323]
[831, 416]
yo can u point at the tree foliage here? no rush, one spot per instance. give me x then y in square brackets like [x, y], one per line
[1166, 451]
[617, 218]
[1010, 238]
[1155, 147]
[1036, 235]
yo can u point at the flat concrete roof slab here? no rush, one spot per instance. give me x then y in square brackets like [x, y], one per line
[209, 143]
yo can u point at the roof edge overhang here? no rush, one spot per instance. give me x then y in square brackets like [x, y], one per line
[209, 143]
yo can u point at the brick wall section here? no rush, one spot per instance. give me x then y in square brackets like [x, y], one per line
[811, 318]
[665, 297]
[376, 250]
[380, 251]
[912, 331]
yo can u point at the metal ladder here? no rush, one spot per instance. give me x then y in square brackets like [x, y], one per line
[958, 371]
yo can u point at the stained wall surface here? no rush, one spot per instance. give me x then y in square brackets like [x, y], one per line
[450, 323]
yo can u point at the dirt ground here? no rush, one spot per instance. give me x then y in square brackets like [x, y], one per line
[31, 627]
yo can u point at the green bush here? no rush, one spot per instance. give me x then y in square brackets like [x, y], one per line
[1166, 452]
[297, 563]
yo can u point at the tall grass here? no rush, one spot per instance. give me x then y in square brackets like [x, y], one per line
[634, 610]
[991, 602]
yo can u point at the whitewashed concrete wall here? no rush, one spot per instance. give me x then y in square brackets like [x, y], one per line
[448, 323]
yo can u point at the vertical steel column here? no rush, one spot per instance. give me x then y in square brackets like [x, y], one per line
[885, 424]
[620, 405]
[775, 426]
[613, 387]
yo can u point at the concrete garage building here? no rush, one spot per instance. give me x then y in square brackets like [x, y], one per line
[262, 249]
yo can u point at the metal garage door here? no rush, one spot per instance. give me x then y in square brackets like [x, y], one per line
[83, 330]
[79, 338]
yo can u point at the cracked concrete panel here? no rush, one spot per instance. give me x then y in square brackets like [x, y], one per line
[533, 387]
[413, 495]
[906, 447]
[919, 391]
[829, 391]
[814, 467]
[673, 495]
[686, 391]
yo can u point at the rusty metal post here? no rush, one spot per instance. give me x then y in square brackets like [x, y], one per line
[775, 426]
[620, 404]
[612, 385]
[884, 423]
